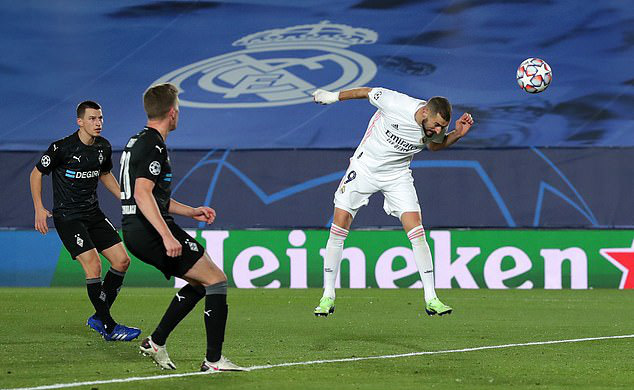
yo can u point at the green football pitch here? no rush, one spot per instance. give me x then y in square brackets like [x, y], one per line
[494, 339]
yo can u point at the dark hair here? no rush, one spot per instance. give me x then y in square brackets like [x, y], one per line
[158, 100]
[440, 105]
[81, 108]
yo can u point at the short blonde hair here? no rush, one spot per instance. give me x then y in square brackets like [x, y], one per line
[158, 100]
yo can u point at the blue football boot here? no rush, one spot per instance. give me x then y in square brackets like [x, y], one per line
[122, 333]
[96, 324]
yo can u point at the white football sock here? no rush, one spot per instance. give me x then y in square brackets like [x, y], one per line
[334, 249]
[422, 256]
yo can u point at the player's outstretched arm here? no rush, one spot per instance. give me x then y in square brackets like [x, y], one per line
[463, 124]
[111, 184]
[36, 193]
[202, 213]
[326, 97]
[147, 204]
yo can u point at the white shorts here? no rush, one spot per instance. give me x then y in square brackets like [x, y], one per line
[358, 184]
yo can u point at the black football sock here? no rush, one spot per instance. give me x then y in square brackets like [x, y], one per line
[185, 300]
[216, 311]
[112, 284]
[98, 299]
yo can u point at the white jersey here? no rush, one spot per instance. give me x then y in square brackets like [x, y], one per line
[393, 135]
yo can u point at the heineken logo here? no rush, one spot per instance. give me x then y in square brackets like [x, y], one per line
[519, 259]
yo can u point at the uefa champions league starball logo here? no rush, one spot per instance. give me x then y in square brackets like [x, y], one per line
[45, 160]
[278, 67]
[155, 168]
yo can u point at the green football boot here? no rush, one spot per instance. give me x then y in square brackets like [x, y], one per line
[326, 306]
[436, 307]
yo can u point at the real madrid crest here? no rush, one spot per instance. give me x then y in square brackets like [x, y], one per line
[278, 67]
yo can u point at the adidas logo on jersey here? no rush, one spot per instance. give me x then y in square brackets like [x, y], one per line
[395, 126]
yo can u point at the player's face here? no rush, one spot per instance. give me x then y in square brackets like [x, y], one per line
[92, 122]
[433, 124]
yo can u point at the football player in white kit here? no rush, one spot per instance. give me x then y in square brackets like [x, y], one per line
[401, 127]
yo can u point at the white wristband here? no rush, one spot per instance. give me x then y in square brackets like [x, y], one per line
[325, 97]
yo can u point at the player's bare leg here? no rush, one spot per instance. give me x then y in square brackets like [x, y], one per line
[91, 263]
[412, 224]
[334, 248]
[205, 272]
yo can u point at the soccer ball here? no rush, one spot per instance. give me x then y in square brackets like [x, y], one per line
[534, 75]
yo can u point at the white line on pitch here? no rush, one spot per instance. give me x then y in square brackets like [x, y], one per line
[355, 359]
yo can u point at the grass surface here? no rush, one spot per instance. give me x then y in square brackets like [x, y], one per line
[44, 340]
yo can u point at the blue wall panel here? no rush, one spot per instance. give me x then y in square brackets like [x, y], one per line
[28, 258]
[590, 187]
[246, 69]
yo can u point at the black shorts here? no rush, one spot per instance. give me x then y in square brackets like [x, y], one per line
[85, 233]
[147, 246]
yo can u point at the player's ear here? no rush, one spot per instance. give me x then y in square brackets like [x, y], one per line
[80, 122]
[425, 112]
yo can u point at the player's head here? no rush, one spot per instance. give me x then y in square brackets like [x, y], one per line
[161, 103]
[438, 110]
[90, 118]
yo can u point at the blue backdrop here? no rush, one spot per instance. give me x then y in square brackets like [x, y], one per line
[247, 68]
[529, 187]
[251, 143]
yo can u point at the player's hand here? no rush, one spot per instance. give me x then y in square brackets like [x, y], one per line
[204, 214]
[40, 220]
[325, 97]
[173, 248]
[463, 124]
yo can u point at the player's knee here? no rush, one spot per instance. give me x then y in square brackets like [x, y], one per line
[222, 278]
[410, 220]
[217, 275]
[122, 264]
[213, 274]
[215, 278]
[118, 257]
[342, 218]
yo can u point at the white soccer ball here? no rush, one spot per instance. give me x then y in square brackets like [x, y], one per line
[534, 75]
